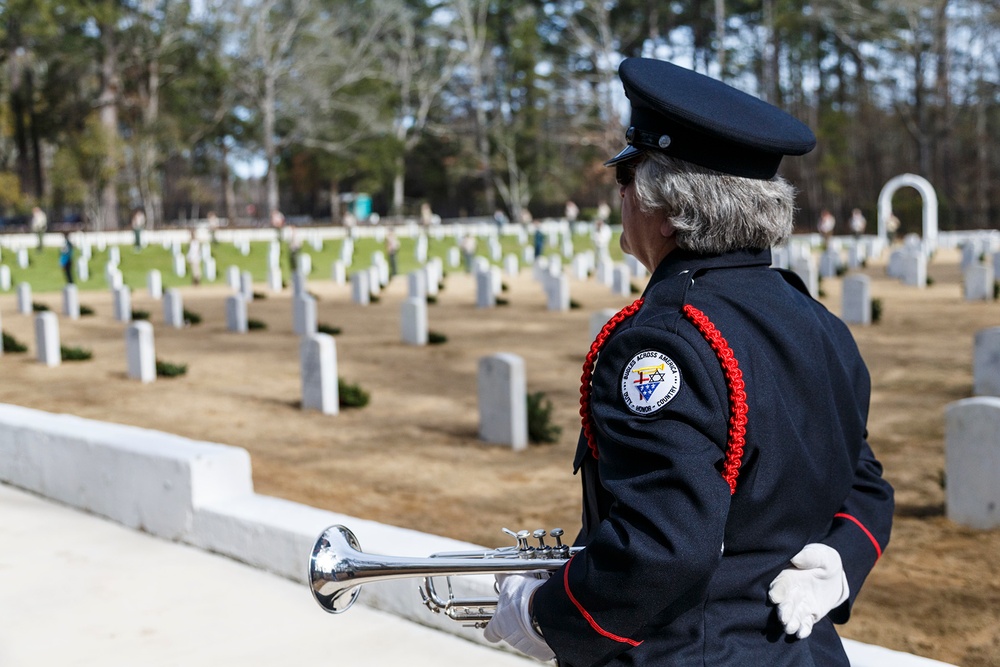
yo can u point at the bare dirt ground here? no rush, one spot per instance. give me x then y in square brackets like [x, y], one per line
[412, 457]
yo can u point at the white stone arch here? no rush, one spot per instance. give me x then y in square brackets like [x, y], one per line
[927, 194]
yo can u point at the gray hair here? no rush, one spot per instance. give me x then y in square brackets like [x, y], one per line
[715, 212]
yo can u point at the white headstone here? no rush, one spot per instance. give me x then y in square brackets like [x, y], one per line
[71, 302]
[986, 363]
[361, 293]
[894, 269]
[540, 269]
[305, 264]
[47, 338]
[420, 249]
[338, 272]
[915, 269]
[780, 257]
[82, 269]
[298, 284]
[510, 265]
[210, 272]
[180, 265]
[121, 302]
[599, 319]
[604, 271]
[115, 255]
[454, 257]
[274, 278]
[528, 254]
[413, 321]
[621, 280]
[828, 263]
[140, 351]
[978, 282]
[855, 255]
[857, 300]
[22, 258]
[304, 314]
[970, 253]
[236, 313]
[972, 462]
[485, 295]
[374, 280]
[557, 291]
[503, 400]
[246, 286]
[496, 279]
[805, 268]
[636, 267]
[4, 278]
[347, 252]
[382, 267]
[173, 309]
[417, 284]
[24, 298]
[431, 278]
[233, 277]
[154, 284]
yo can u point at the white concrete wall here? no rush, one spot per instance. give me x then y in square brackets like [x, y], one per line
[201, 493]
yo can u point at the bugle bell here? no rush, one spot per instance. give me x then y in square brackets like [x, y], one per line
[338, 568]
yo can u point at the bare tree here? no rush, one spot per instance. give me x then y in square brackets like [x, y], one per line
[472, 16]
[296, 59]
[418, 67]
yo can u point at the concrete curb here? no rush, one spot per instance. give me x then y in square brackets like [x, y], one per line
[201, 494]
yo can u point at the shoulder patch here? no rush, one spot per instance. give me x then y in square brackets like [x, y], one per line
[650, 381]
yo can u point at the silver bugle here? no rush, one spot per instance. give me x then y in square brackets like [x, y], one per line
[338, 568]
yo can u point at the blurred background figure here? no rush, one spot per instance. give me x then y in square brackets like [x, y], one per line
[138, 223]
[66, 258]
[194, 258]
[39, 223]
[857, 222]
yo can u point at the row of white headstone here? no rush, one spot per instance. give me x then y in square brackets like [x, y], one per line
[972, 441]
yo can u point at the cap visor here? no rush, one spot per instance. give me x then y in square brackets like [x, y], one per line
[627, 153]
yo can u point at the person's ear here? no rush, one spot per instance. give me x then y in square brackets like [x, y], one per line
[667, 229]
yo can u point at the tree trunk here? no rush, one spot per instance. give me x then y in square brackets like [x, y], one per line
[270, 151]
[334, 202]
[720, 37]
[983, 144]
[107, 102]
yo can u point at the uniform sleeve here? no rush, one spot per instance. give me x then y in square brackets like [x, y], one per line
[661, 540]
[860, 530]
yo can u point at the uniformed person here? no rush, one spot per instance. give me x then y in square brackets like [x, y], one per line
[732, 507]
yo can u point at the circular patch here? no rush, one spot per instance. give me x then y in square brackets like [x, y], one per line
[651, 379]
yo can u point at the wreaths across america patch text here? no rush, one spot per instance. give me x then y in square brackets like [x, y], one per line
[650, 380]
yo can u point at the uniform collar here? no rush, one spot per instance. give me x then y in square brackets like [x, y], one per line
[680, 261]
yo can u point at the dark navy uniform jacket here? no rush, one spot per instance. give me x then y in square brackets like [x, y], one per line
[677, 566]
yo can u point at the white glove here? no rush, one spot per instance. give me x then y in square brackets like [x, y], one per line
[512, 620]
[810, 590]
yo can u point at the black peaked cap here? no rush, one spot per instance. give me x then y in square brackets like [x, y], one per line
[698, 119]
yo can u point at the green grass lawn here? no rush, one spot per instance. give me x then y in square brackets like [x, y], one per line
[44, 274]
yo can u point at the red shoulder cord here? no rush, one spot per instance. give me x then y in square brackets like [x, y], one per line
[730, 368]
[588, 369]
[737, 393]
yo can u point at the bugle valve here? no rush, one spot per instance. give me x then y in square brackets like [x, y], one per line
[338, 569]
